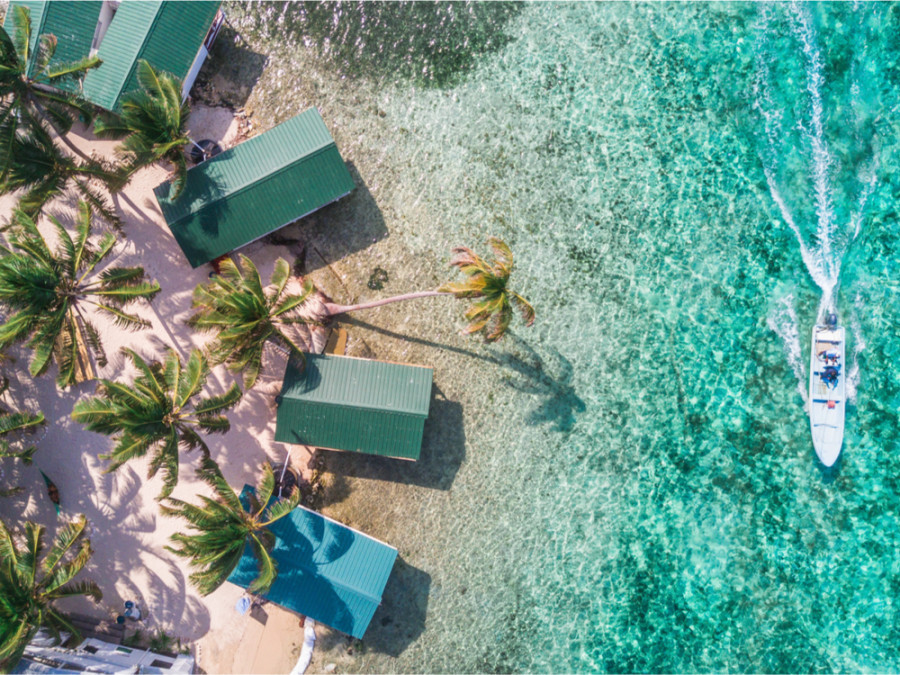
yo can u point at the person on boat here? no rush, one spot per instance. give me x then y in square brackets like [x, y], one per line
[830, 376]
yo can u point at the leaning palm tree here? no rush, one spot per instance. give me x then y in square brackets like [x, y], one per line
[223, 526]
[158, 413]
[43, 171]
[245, 316]
[487, 283]
[31, 89]
[45, 292]
[153, 123]
[29, 588]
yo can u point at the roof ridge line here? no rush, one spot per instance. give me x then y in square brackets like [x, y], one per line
[134, 63]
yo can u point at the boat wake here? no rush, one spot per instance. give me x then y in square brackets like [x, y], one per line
[823, 244]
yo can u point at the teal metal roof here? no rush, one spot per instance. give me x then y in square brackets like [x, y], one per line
[167, 33]
[359, 405]
[255, 188]
[326, 570]
[73, 23]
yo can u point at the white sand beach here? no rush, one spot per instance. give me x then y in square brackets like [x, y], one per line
[127, 531]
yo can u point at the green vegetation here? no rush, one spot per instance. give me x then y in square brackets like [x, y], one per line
[46, 291]
[222, 527]
[153, 123]
[159, 413]
[486, 283]
[29, 588]
[245, 316]
[31, 90]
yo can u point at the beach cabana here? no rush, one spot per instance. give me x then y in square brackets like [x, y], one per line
[170, 35]
[255, 188]
[359, 405]
[72, 22]
[326, 571]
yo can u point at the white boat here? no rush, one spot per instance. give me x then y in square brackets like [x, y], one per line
[827, 387]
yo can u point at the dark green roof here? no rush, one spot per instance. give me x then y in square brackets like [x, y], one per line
[326, 571]
[360, 405]
[73, 24]
[255, 188]
[166, 33]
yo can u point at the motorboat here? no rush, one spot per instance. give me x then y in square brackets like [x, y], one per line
[827, 389]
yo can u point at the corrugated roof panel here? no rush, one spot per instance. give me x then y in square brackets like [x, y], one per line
[255, 188]
[361, 383]
[167, 33]
[358, 405]
[326, 570]
[341, 427]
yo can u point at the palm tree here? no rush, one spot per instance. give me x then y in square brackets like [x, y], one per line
[153, 123]
[28, 589]
[31, 90]
[245, 316]
[486, 283]
[46, 291]
[222, 527]
[157, 413]
[38, 166]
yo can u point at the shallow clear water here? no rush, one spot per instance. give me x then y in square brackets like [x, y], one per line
[630, 485]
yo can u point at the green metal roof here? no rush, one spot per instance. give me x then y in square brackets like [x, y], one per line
[360, 405]
[73, 24]
[167, 33]
[255, 188]
[326, 571]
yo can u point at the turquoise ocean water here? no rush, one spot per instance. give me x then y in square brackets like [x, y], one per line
[633, 487]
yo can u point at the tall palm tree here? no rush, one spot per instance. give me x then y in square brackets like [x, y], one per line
[46, 291]
[31, 89]
[40, 167]
[29, 588]
[158, 413]
[487, 283]
[153, 123]
[245, 316]
[222, 527]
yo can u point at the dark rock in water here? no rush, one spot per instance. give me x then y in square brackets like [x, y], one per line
[378, 279]
[386, 621]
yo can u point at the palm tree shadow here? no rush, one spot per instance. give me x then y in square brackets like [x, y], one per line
[560, 405]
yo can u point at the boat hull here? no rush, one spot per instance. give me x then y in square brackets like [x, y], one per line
[827, 392]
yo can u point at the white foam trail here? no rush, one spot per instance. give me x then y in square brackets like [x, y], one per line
[823, 259]
[783, 321]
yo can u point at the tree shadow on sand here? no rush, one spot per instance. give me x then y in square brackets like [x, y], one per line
[549, 379]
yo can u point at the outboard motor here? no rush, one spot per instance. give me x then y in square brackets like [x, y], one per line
[831, 320]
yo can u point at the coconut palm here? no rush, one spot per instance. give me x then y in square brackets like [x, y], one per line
[29, 588]
[153, 123]
[46, 292]
[245, 316]
[486, 283]
[40, 167]
[158, 413]
[223, 526]
[31, 89]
